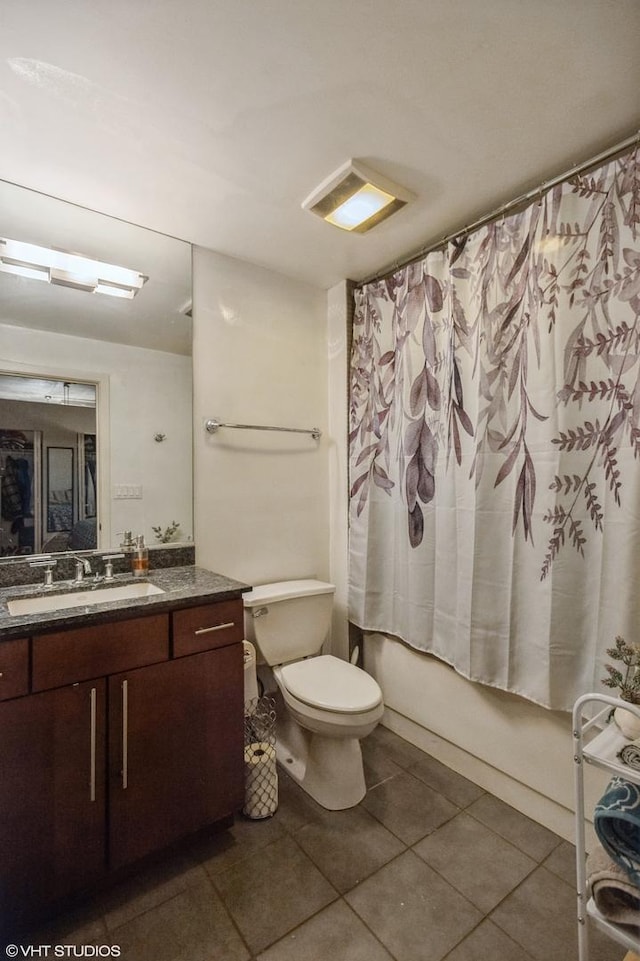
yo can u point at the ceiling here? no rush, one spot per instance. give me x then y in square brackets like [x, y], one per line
[212, 120]
[33, 390]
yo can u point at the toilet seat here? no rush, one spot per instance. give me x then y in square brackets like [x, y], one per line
[330, 684]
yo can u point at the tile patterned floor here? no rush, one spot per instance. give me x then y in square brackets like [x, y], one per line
[428, 867]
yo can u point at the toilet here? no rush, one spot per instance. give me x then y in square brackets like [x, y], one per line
[325, 705]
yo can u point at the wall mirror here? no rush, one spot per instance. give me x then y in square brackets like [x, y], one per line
[95, 389]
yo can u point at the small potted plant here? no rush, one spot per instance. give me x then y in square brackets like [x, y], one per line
[168, 534]
[627, 680]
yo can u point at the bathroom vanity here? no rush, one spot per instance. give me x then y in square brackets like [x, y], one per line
[121, 732]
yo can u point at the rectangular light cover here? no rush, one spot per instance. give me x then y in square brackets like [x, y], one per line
[362, 205]
[70, 270]
[356, 198]
[23, 270]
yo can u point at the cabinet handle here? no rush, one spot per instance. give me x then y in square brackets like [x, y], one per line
[92, 749]
[218, 627]
[125, 734]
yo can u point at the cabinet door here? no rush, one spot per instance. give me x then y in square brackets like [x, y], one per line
[176, 750]
[52, 797]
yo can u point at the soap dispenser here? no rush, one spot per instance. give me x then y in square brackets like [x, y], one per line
[140, 558]
[127, 543]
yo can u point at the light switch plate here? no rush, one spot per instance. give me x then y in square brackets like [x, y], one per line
[127, 492]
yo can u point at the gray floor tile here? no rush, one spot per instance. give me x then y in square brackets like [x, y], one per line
[489, 943]
[348, 846]
[541, 916]
[528, 835]
[272, 893]
[412, 910]
[378, 765]
[192, 926]
[402, 752]
[476, 861]
[408, 808]
[442, 779]
[335, 933]
[240, 841]
[295, 807]
[562, 861]
[150, 887]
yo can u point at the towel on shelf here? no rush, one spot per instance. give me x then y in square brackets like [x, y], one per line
[630, 754]
[615, 897]
[616, 821]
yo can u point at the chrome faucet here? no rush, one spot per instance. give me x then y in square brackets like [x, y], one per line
[48, 563]
[82, 567]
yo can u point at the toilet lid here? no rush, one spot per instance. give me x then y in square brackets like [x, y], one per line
[329, 683]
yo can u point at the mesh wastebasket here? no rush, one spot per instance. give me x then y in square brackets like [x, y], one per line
[261, 776]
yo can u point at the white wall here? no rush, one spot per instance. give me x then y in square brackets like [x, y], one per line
[338, 360]
[259, 357]
[149, 391]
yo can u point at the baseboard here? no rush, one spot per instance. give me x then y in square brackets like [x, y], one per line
[539, 808]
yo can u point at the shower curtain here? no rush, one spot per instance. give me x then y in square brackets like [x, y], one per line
[495, 443]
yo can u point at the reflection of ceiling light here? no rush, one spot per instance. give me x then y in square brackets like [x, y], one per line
[356, 198]
[551, 243]
[68, 270]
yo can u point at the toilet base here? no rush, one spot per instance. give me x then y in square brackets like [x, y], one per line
[329, 769]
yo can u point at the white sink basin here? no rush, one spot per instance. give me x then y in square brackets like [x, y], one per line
[60, 602]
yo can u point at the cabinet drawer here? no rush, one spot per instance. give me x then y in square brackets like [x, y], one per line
[203, 628]
[87, 652]
[14, 668]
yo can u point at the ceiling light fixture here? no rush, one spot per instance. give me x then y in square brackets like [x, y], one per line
[356, 198]
[68, 270]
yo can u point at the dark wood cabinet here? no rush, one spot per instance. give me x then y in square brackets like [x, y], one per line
[97, 772]
[68, 656]
[174, 745]
[207, 626]
[14, 668]
[52, 797]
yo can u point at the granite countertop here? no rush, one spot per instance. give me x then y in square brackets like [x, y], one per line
[182, 586]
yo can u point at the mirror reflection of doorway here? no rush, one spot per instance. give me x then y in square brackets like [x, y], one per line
[48, 463]
[60, 489]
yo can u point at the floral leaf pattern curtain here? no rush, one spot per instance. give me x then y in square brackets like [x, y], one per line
[495, 443]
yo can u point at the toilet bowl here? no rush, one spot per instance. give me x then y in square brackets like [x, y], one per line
[325, 705]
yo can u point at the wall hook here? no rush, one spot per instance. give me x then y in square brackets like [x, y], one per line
[159, 437]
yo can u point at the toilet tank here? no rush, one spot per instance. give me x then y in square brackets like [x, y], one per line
[288, 620]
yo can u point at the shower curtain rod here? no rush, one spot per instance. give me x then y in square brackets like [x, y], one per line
[498, 212]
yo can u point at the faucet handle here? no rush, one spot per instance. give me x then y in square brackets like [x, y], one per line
[108, 565]
[48, 563]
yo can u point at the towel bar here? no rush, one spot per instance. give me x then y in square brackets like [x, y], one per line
[213, 425]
